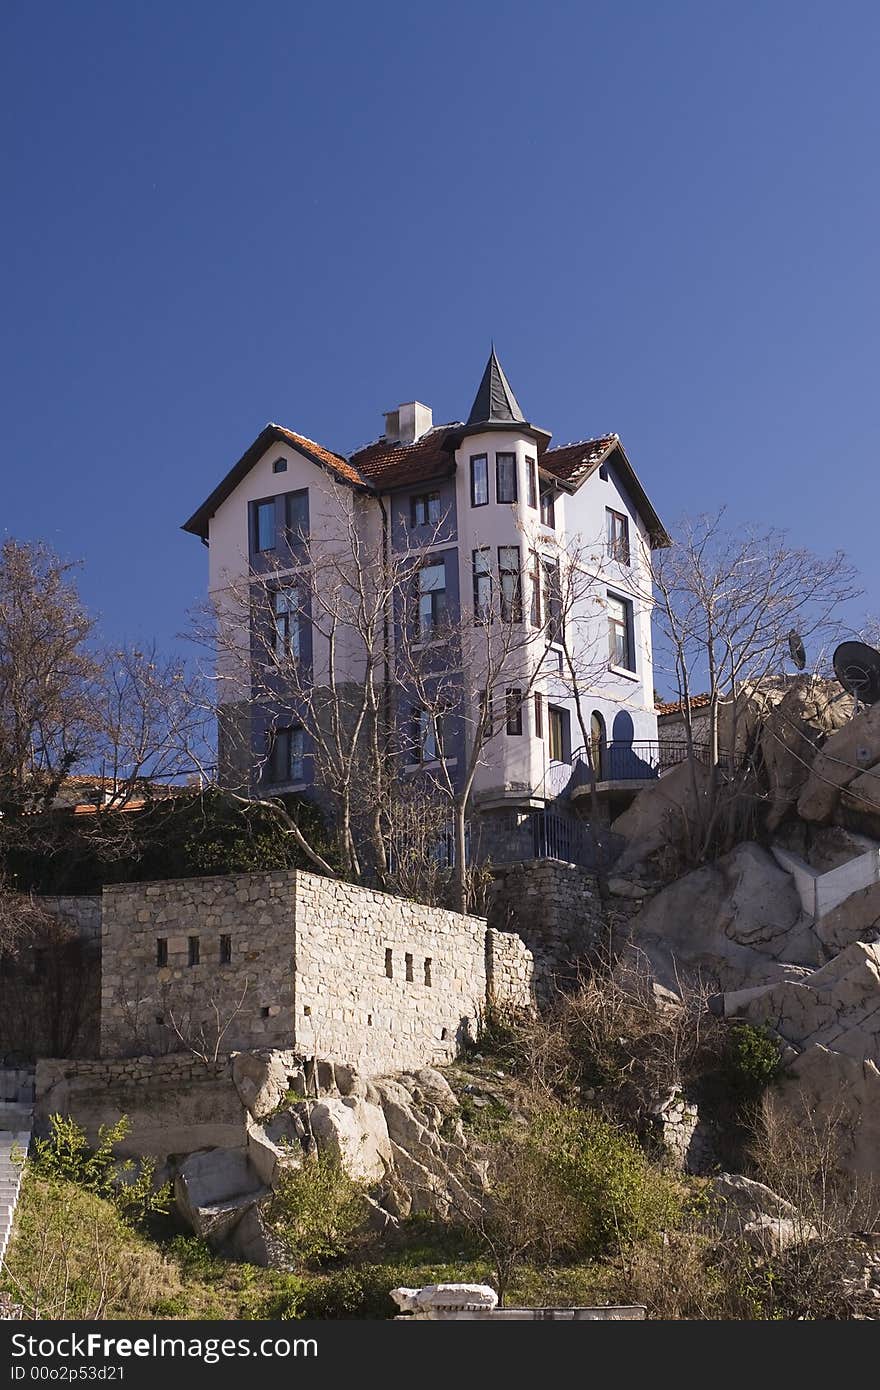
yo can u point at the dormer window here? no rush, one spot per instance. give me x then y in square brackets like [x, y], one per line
[505, 477]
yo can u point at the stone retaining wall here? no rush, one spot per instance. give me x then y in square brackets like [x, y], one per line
[552, 906]
[174, 1104]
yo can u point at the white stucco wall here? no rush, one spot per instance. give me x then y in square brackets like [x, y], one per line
[509, 761]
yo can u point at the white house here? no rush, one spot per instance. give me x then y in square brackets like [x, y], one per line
[488, 506]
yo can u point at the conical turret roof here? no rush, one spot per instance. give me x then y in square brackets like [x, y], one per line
[495, 403]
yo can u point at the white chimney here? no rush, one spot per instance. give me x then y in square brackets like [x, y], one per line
[408, 422]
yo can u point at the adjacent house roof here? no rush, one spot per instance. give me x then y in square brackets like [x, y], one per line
[677, 706]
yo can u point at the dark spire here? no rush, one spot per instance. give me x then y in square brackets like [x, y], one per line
[494, 402]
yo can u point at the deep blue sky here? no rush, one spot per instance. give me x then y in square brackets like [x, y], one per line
[219, 214]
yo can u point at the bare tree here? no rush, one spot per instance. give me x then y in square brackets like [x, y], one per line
[727, 599]
[46, 676]
[204, 1038]
[149, 721]
[303, 652]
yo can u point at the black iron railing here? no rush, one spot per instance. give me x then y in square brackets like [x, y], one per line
[640, 760]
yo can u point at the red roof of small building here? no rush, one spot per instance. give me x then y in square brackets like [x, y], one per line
[677, 706]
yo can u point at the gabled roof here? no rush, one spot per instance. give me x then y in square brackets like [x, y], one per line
[395, 465]
[495, 403]
[382, 465]
[272, 434]
[573, 464]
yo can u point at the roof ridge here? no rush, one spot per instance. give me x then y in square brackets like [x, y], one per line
[576, 443]
[307, 439]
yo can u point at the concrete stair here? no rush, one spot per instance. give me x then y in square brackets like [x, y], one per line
[13, 1147]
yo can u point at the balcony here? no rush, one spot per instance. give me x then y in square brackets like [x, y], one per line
[622, 765]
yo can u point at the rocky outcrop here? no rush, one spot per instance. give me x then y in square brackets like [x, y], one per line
[830, 1021]
[732, 924]
[660, 816]
[851, 751]
[856, 919]
[784, 723]
[214, 1189]
[752, 1212]
[264, 1078]
[398, 1136]
[837, 1007]
[356, 1133]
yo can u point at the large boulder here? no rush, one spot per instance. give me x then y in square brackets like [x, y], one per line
[214, 1189]
[456, 1297]
[355, 1132]
[850, 751]
[857, 918]
[276, 1146]
[837, 1007]
[835, 1094]
[662, 815]
[788, 720]
[263, 1079]
[733, 924]
[861, 800]
[737, 1200]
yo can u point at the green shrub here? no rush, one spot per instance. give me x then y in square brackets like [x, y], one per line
[612, 1193]
[316, 1211]
[67, 1156]
[751, 1061]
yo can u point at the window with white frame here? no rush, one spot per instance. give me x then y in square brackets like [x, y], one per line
[548, 505]
[505, 477]
[424, 509]
[482, 572]
[427, 733]
[479, 480]
[431, 601]
[532, 482]
[535, 605]
[552, 600]
[263, 525]
[617, 536]
[509, 583]
[513, 710]
[620, 626]
[286, 614]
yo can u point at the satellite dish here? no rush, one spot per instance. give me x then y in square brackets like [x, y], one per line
[796, 649]
[857, 667]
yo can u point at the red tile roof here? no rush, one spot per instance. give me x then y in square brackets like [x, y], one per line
[571, 463]
[395, 465]
[335, 462]
[677, 706]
